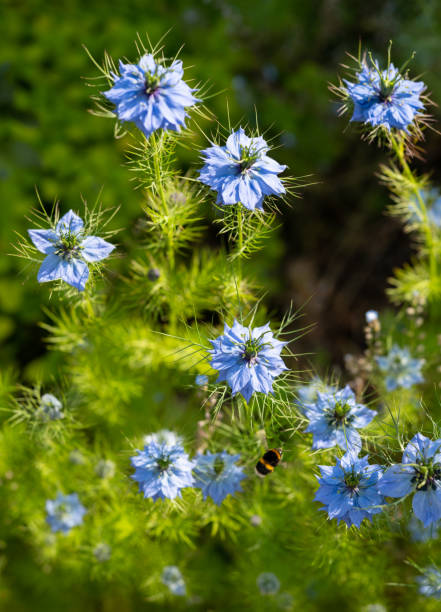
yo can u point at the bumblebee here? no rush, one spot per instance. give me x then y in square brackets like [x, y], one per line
[268, 461]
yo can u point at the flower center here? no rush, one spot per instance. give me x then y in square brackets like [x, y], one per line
[352, 481]
[163, 463]
[218, 466]
[427, 475]
[62, 512]
[151, 83]
[387, 89]
[251, 351]
[340, 416]
[248, 157]
[68, 246]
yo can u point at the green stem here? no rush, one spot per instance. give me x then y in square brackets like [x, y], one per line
[239, 241]
[170, 257]
[398, 147]
[160, 188]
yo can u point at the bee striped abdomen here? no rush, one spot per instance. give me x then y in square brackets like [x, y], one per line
[269, 461]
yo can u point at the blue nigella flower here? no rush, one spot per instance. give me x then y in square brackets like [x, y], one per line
[64, 512]
[419, 472]
[248, 359]
[268, 583]
[430, 582]
[334, 419]
[385, 98]
[218, 475]
[400, 368]
[349, 489]
[162, 470]
[307, 394]
[173, 579]
[51, 408]
[68, 251]
[241, 171]
[151, 95]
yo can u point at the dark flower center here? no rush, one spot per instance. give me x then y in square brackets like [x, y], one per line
[251, 351]
[386, 90]
[352, 481]
[69, 246]
[427, 475]
[218, 466]
[152, 82]
[163, 463]
[248, 157]
[340, 416]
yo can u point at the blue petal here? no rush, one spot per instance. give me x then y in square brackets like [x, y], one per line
[70, 222]
[427, 506]
[74, 273]
[44, 240]
[95, 249]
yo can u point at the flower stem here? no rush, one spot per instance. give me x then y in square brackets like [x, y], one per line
[239, 241]
[398, 147]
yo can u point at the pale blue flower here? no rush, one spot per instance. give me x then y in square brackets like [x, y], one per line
[385, 98]
[64, 512]
[419, 473]
[51, 408]
[334, 419]
[201, 380]
[217, 475]
[268, 583]
[349, 489]
[401, 369]
[173, 579]
[241, 171]
[247, 359]
[68, 251]
[151, 95]
[162, 470]
[430, 582]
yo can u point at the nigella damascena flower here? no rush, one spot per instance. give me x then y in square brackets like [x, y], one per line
[268, 583]
[173, 579]
[241, 171]
[64, 512]
[247, 359]
[400, 368]
[51, 409]
[385, 98]
[419, 472]
[218, 475]
[68, 251]
[162, 470]
[334, 419]
[151, 95]
[430, 582]
[349, 489]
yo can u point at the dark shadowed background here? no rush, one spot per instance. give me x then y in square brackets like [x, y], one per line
[336, 245]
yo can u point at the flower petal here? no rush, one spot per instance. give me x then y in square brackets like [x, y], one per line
[95, 249]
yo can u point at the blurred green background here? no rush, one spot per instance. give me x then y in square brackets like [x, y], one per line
[336, 245]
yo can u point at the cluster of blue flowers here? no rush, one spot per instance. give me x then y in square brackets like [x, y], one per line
[163, 469]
